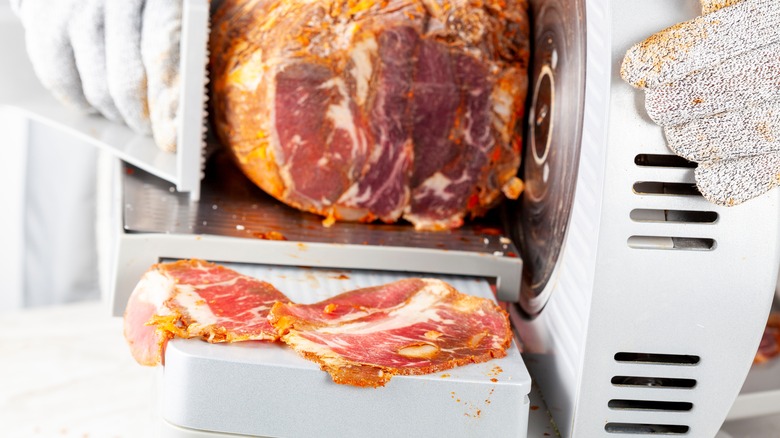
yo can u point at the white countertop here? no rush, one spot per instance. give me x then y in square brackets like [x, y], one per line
[66, 371]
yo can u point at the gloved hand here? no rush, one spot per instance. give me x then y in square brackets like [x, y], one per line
[119, 58]
[713, 83]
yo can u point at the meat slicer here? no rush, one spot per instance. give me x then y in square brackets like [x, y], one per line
[645, 314]
[638, 305]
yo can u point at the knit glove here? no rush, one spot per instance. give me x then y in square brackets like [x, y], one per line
[118, 58]
[713, 83]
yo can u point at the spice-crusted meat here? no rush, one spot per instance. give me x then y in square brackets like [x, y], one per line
[413, 326]
[196, 299]
[363, 110]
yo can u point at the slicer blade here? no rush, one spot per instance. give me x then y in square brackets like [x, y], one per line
[552, 151]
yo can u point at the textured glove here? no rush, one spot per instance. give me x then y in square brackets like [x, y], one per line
[713, 83]
[119, 58]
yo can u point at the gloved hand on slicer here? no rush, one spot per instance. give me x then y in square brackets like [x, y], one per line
[118, 58]
[713, 83]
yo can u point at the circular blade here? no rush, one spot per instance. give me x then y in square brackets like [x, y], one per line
[551, 155]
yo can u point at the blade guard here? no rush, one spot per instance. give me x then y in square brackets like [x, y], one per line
[193, 104]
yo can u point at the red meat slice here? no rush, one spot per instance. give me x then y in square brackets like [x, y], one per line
[191, 299]
[413, 326]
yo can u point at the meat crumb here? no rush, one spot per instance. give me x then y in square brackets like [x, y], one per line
[270, 235]
[330, 308]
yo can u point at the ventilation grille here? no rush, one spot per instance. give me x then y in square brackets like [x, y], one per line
[645, 385]
[647, 429]
[653, 382]
[673, 232]
[656, 160]
[665, 359]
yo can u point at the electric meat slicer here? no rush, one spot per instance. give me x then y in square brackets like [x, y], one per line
[637, 304]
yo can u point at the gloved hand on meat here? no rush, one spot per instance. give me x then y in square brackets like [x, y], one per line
[119, 59]
[365, 110]
[712, 83]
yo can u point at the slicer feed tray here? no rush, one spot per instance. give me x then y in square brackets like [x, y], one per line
[231, 205]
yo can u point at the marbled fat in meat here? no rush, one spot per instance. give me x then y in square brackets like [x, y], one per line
[326, 143]
[412, 326]
[196, 299]
[383, 190]
[435, 101]
[442, 197]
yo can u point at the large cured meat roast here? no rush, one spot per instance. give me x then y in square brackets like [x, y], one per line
[361, 110]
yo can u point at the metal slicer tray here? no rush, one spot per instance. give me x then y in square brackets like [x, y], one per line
[231, 205]
[261, 388]
[235, 221]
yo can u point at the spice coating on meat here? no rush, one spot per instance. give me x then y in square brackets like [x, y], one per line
[413, 326]
[196, 299]
[366, 110]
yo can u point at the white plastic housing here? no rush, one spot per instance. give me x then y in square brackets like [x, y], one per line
[624, 287]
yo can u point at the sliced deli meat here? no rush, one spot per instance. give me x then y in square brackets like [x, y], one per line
[196, 299]
[365, 110]
[412, 326]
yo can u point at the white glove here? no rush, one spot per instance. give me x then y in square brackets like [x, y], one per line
[713, 83]
[119, 58]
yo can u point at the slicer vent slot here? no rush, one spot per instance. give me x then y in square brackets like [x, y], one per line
[670, 242]
[665, 188]
[657, 160]
[643, 393]
[683, 216]
[663, 359]
[654, 429]
[653, 382]
[649, 405]
[680, 188]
